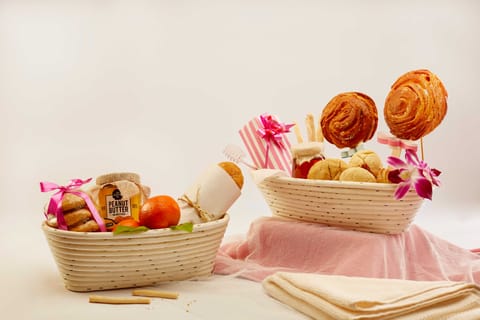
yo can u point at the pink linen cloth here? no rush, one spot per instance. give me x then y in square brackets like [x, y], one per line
[275, 244]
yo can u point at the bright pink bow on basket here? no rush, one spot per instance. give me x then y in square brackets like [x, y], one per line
[272, 132]
[55, 204]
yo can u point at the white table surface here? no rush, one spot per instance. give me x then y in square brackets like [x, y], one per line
[33, 289]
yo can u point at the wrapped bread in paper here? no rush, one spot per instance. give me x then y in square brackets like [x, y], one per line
[212, 194]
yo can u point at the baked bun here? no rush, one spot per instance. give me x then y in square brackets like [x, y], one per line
[366, 159]
[328, 169]
[415, 105]
[357, 174]
[349, 119]
[234, 171]
[382, 175]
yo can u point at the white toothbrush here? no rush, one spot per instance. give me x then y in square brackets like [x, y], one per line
[236, 154]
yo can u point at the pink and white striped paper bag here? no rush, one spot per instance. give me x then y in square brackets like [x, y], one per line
[267, 153]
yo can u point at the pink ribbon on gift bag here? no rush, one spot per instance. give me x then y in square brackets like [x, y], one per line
[272, 132]
[55, 204]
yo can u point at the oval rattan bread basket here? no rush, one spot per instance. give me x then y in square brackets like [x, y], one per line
[91, 261]
[361, 206]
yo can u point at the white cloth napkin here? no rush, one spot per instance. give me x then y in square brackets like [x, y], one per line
[341, 297]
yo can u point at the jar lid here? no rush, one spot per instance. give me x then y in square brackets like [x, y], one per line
[307, 149]
[117, 176]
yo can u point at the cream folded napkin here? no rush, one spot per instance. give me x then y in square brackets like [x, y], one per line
[341, 297]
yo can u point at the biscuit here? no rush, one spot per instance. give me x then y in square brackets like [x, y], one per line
[71, 201]
[328, 169]
[234, 171]
[76, 216]
[88, 226]
[357, 174]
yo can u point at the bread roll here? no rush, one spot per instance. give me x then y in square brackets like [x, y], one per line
[328, 169]
[234, 171]
[357, 174]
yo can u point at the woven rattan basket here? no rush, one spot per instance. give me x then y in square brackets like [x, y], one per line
[368, 207]
[91, 261]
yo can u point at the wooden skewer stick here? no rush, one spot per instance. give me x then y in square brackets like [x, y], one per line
[421, 149]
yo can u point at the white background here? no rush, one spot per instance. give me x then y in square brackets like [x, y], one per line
[160, 87]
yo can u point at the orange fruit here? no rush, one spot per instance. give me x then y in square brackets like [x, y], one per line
[127, 222]
[159, 212]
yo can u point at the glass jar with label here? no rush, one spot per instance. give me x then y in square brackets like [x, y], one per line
[120, 195]
[304, 156]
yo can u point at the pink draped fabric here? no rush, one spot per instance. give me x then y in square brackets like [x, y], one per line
[274, 244]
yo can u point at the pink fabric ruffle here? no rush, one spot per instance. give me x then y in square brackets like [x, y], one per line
[275, 244]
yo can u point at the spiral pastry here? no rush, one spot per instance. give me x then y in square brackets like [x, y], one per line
[415, 105]
[349, 119]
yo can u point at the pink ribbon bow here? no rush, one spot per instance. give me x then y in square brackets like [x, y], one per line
[395, 142]
[272, 133]
[55, 204]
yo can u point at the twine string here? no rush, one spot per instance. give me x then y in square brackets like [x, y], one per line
[204, 215]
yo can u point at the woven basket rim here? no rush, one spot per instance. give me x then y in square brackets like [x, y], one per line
[332, 183]
[198, 227]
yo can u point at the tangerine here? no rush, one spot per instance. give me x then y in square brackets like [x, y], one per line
[160, 211]
[127, 222]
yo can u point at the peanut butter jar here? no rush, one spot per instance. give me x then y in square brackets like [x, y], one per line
[120, 194]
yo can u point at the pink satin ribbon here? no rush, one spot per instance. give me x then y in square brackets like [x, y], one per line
[272, 133]
[55, 204]
[395, 142]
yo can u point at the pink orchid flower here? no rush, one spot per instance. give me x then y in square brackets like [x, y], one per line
[412, 172]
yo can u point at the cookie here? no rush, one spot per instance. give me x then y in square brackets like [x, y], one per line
[76, 216]
[88, 226]
[72, 202]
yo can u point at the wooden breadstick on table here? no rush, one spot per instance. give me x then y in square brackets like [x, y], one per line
[309, 122]
[118, 300]
[155, 293]
[298, 134]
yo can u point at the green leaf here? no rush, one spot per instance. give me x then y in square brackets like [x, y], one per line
[187, 226]
[128, 229]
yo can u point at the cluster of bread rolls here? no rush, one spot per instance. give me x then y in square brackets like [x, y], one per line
[363, 166]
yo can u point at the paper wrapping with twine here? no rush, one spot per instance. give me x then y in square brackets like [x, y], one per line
[209, 197]
[342, 297]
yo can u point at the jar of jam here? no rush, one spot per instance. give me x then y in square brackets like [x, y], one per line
[304, 156]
